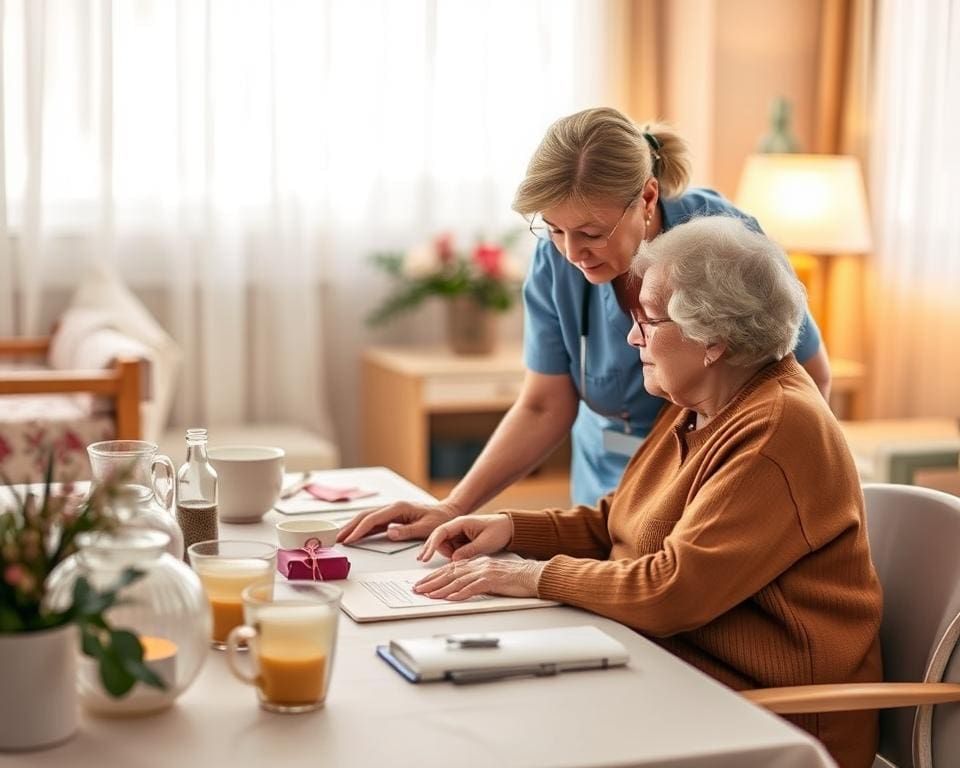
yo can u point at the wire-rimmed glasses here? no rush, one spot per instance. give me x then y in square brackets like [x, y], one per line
[543, 231]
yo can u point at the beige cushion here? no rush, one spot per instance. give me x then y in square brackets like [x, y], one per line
[102, 291]
[74, 326]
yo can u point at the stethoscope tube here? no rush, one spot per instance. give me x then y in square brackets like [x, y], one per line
[624, 415]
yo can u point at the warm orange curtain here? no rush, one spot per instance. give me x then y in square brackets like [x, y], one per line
[643, 59]
[842, 127]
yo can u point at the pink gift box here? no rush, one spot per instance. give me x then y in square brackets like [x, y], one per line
[322, 565]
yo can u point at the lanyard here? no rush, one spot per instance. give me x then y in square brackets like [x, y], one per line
[624, 415]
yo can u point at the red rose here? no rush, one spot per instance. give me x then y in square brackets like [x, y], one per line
[490, 259]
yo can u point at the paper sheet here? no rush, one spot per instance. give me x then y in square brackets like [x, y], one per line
[380, 543]
[398, 593]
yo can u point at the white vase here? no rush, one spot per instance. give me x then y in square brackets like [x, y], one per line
[38, 696]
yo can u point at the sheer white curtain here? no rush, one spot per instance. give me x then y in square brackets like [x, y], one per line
[915, 159]
[242, 158]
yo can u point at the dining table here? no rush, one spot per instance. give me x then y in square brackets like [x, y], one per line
[655, 711]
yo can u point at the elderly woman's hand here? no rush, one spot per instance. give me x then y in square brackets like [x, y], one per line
[468, 536]
[463, 579]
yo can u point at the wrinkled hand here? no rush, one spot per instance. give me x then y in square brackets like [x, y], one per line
[401, 521]
[463, 579]
[468, 536]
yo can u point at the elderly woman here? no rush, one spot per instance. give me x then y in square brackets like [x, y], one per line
[736, 537]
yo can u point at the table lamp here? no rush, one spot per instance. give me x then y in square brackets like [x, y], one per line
[813, 206]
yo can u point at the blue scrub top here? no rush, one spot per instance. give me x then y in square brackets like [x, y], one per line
[553, 299]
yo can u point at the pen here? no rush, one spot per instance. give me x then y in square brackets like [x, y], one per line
[294, 488]
[479, 641]
[462, 676]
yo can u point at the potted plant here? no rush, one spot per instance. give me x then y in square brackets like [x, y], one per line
[476, 285]
[38, 698]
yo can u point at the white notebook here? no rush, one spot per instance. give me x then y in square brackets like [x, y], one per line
[497, 655]
[389, 595]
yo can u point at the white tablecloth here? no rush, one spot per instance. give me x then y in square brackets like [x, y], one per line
[656, 711]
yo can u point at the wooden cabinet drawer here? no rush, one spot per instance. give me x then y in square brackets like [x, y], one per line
[483, 391]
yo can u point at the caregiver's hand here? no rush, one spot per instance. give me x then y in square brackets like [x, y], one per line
[401, 520]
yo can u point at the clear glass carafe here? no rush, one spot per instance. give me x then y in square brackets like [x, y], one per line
[166, 608]
[145, 497]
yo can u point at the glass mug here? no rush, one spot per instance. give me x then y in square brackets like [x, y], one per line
[225, 569]
[291, 632]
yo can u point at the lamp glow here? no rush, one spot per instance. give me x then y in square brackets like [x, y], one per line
[810, 203]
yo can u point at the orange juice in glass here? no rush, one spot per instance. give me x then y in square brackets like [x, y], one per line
[225, 569]
[291, 631]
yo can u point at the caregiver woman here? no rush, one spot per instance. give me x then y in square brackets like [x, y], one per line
[596, 187]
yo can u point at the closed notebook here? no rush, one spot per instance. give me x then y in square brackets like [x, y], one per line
[475, 658]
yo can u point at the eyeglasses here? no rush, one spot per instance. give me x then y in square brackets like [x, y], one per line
[543, 231]
[636, 314]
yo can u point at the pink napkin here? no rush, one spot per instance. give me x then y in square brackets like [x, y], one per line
[330, 493]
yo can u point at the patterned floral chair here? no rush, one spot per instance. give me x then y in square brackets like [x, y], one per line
[60, 393]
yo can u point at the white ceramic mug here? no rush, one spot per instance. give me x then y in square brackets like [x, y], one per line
[249, 480]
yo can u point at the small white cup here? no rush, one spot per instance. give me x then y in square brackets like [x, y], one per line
[250, 478]
[294, 534]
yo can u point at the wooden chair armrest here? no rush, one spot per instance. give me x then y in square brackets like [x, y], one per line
[26, 346]
[122, 383]
[57, 382]
[798, 699]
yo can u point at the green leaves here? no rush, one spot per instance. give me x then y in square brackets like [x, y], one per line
[121, 660]
[452, 275]
[118, 651]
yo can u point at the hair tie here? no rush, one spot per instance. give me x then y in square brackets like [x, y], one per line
[655, 146]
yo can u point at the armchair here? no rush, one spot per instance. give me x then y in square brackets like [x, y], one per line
[914, 538]
[43, 407]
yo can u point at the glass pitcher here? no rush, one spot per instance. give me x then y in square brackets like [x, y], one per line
[145, 497]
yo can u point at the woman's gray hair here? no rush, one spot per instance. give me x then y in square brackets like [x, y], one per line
[728, 284]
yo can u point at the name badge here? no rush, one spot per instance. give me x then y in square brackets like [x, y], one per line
[619, 443]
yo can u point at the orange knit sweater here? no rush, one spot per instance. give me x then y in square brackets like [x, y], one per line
[741, 547]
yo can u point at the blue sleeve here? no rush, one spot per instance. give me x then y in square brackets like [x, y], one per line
[808, 342]
[543, 347]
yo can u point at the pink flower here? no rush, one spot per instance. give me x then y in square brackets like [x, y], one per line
[489, 258]
[444, 247]
[5, 449]
[12, 574]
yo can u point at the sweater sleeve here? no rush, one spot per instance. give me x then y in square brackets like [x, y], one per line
[739, 533]
[578, 532]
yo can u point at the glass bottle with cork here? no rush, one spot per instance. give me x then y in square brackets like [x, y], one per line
[197, 492]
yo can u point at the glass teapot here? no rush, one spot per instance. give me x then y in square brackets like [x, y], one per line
[166, 608]
[145, 497]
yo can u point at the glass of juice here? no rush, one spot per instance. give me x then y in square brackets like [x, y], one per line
[291, 632]
[225, 569]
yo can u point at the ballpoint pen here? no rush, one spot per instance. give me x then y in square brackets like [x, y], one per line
[294, 488]
[500, 673]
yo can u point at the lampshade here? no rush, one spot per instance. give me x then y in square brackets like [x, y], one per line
[810, 203]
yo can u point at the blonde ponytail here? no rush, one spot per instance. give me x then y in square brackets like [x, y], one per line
[600, 154]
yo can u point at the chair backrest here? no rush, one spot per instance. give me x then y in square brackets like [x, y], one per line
[915, 543]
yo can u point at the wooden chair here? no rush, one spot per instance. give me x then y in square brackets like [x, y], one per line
[121, 383]
[915, 542]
